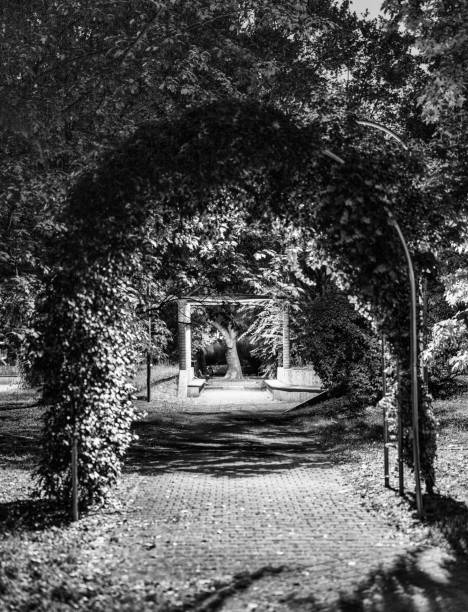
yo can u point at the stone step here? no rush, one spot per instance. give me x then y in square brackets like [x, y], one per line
[245, 383]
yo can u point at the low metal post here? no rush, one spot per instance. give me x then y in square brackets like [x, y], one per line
[148, 363]
[425, 373]
[401, 476]
[148, 376]
[74, 469]
[385, 420]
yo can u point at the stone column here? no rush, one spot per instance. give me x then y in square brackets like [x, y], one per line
[188, 340]
[286, 342]
[181, 306]
[185, 348]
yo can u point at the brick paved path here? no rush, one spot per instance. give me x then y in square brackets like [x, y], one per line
[244, 502]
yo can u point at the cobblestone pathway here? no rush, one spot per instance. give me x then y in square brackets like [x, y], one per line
[243, 503]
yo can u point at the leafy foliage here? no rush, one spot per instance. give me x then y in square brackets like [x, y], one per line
[441, 37]
[447, 353]
[439, 32]
[27, 223]
[83, 348]
[340, 344]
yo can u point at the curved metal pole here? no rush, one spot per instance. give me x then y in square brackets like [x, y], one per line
[384, 129]
[333, 156]
[413, 325]
[413, 330]
[414, 366]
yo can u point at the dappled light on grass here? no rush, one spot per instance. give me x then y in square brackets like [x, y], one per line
[159, 372]
[20, 426]
[343, 430]
[31, 515]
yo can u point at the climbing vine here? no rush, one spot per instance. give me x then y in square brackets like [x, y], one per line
[84, 350]
[84, 336]
[356, 235]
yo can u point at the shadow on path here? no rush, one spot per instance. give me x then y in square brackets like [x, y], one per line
[237, 444]
[450, 516]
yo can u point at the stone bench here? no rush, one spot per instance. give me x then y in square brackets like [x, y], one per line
[296, 384]
[195, 387]
[9, 380]
[287, 392]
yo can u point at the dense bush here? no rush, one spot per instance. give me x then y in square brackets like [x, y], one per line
[328, 333]
[446, 355]
[340, 344]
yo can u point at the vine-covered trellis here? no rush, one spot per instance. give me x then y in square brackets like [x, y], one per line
[83, 342]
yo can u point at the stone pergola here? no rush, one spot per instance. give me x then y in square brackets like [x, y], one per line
[184, 317]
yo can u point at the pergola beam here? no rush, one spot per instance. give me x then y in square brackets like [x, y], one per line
[184, 319]
[206, 300]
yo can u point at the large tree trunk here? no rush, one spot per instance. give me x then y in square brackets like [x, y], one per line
[234, 370]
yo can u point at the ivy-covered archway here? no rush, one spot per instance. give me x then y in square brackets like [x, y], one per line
[83, 343]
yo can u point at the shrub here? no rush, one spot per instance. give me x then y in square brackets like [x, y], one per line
[340, 344]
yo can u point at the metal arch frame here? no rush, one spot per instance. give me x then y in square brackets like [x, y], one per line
[413, 319]
[382, 128]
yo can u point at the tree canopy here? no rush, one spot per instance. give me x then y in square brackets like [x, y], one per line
[169, 171]
[76, 78]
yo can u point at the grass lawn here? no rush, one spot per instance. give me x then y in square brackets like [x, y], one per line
[446, 513]
[48, 564]
[161, 371]
[357, 444]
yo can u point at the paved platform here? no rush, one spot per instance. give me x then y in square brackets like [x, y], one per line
[214, 400]
[245, 400]
[9, 387]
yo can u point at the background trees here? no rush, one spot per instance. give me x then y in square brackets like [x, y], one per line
[446, 355]
[77, 78]
[440, 38]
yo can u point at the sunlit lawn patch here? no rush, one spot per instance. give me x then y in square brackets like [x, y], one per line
[160, 371]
